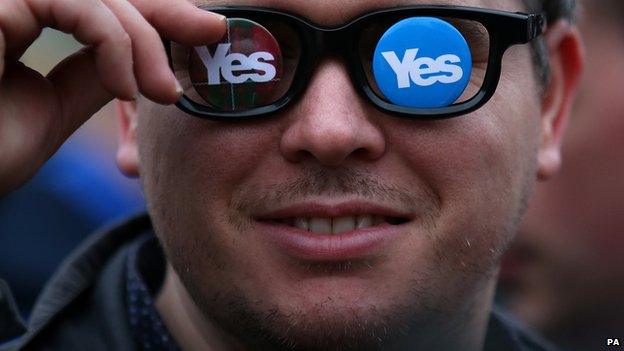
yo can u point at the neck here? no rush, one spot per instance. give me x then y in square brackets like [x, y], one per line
[192, 331]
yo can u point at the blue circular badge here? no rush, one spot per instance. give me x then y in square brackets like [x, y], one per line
[422, 62]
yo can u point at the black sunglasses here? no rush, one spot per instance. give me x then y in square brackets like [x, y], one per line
[488, 33]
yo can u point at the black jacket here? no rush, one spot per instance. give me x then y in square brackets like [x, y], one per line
[83, 305]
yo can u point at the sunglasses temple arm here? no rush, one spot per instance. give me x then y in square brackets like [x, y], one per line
[537, 25]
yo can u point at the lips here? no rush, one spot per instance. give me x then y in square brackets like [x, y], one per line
[338, 232]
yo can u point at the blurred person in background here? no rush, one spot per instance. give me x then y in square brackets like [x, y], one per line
[565, 273]
[76, 191]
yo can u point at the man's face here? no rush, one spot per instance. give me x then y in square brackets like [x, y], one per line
[457, 185]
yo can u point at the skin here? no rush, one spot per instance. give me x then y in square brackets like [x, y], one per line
[464, 183]
[124, 57]
[564, 273]
[435, 280]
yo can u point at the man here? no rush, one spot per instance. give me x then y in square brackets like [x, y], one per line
[564, 273]
[420, 208]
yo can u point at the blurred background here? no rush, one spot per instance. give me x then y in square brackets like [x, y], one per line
[76, 192]
[564, 275]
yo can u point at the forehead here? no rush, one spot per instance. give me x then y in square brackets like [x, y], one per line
[332, 12]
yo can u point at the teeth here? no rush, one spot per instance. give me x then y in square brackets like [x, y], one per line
[335, 225]
[363, 222]
[302, 223]
[320, 225]
[377, 220]
[343, 224]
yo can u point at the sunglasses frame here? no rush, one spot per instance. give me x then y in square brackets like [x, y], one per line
[505, 29]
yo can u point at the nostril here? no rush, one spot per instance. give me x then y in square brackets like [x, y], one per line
[360, 151]
[302, 155]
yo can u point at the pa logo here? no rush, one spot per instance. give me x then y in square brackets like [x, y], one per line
[422, 62]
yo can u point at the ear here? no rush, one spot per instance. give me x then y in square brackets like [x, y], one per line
[566, 65]
[127, 153]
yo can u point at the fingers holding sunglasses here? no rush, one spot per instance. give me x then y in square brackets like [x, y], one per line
[198, 27]
[124, 34]
[90, 21]
[143, 20]
[38, 113]
[151, 68]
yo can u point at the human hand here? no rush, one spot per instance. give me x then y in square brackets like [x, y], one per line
[123, 57]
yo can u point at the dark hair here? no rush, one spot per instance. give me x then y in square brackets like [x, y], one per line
[555, 10]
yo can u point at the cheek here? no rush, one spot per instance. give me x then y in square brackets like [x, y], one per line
[200, 159]
[482, 166]
[189, 169]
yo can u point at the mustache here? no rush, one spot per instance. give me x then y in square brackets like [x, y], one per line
[339, 182]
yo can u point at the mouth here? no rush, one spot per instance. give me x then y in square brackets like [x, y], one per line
[320, 232]
[336, 225]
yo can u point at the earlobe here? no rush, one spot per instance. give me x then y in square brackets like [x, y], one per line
[127, 153]
[566, 66]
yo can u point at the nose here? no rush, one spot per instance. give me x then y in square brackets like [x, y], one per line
[331, 124]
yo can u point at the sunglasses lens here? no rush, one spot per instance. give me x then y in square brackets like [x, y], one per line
[252, 66]
[425, 62]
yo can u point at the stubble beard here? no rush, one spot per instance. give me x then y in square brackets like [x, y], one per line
[423, 314]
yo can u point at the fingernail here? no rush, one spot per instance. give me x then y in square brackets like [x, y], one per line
[134, 94]
[134, 98]
[178, 88]
[220, 17]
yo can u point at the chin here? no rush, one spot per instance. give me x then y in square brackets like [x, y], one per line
[334, 307]
[316, 323]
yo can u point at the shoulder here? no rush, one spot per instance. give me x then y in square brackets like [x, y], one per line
[83, 306]
[507, 333]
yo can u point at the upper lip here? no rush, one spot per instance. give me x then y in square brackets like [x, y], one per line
[316, 209]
